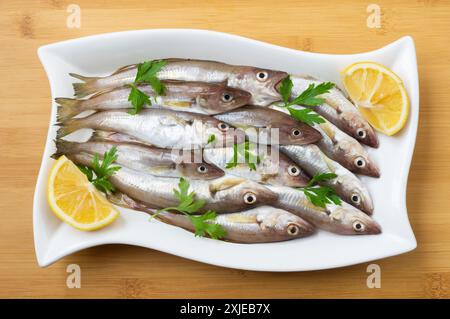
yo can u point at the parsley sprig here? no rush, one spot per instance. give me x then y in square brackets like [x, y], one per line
[98, 174]
[309, 97]
[245, 150]
[203, 224]
[211, 139]
[146, 73]
[321, 195]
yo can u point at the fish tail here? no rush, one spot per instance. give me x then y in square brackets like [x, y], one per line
[67, 108]
[67, 127]
[87, 87]
[63, 147]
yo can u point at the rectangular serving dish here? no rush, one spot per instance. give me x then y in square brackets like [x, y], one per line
[102, 54]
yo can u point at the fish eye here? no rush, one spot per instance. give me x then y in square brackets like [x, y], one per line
[355, 199]
[361, 132]
[262, 76]
[223, 126]
[249, 198]
[358, 226]
[293, 170]
[360, 162]
[202, 169]
[293, 230]
[227, 97]
[296, 132]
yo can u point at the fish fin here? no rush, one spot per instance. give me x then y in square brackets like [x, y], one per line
[67, 127]
[123, 200]
[328, 130]
[309, 77]
[98, 135]
[63, 146]
[67, 108]
[124, 68]
[223, 184]
[56, 155]
[87, 87]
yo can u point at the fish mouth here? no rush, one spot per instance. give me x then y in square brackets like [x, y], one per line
[277, 85]
[366, 206]
[371, 170]
[242, 98]
[371, 138]
[214, 172]
[373, 228]
[265, 195]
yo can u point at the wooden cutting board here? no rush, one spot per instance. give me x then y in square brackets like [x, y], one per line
[129, 272]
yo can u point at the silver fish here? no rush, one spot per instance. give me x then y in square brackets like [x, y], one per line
[259, 122]
[161, 128]
[223, 195]
[274, 168]
[152, 160]
[340, 219]
[196, 97]
[346, 184]
[342, 148]
[338, 110]
[261, 83]
[263, 224]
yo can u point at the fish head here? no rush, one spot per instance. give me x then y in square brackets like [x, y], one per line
[289, 173]
[224, 134]
[261, 83]
[355, 193]
[290, 225]
[293, 132]
[222, 98]
[357, 159]
[354, 221]
[243, 192]
[202, 170]
[361, 130]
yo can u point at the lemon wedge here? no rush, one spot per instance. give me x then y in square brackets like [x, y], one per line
[75, 200]
[379, 95]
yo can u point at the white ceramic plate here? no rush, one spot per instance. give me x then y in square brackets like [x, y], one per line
[102, 54]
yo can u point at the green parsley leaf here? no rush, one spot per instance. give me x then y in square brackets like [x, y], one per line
[309, 96]
[138, 99]
[146, 73]
[147, 70]
[286, 89]
[103, 184]
[211, 139]
[87, 171]
[321, 195]
[321, 177]
[102, 171]
[305, 115]
[203, 224]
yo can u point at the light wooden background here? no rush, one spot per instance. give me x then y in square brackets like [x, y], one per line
[319, 26]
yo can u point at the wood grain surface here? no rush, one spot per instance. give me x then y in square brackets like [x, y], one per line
[131, 272]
